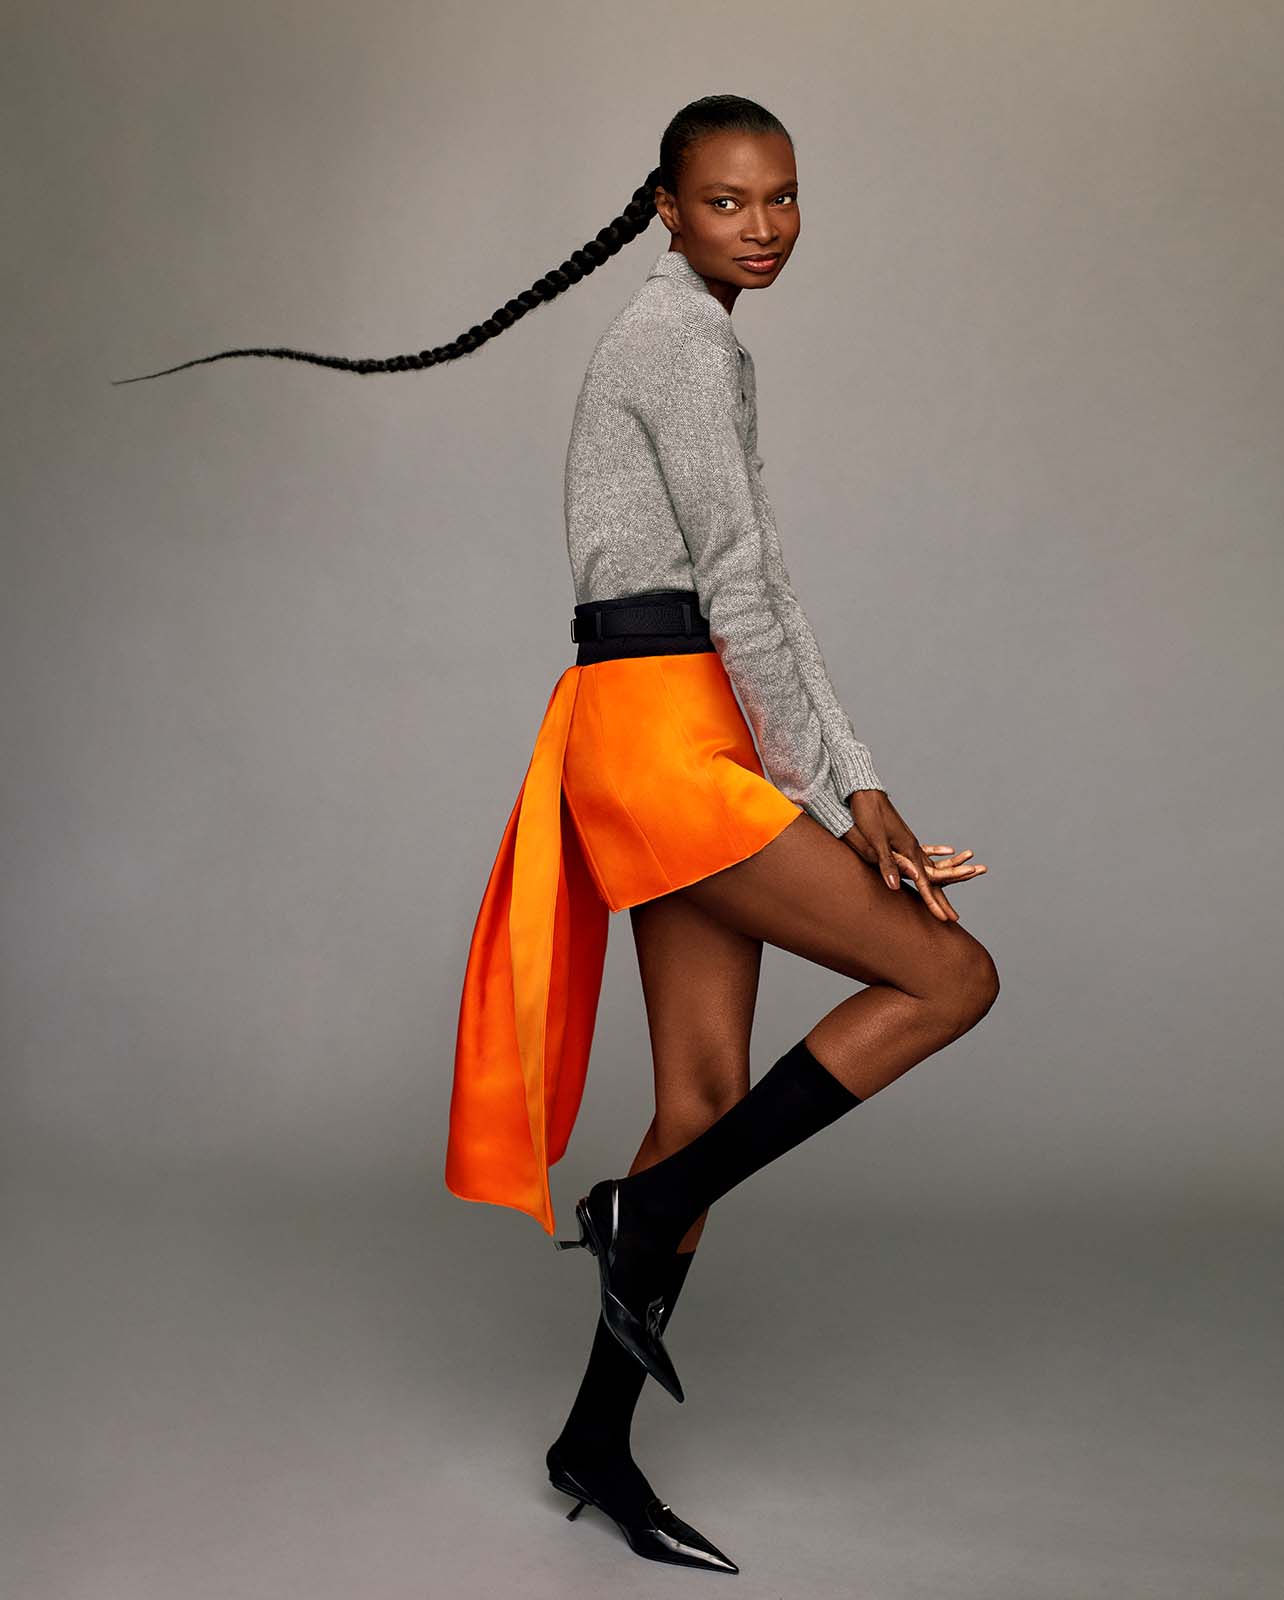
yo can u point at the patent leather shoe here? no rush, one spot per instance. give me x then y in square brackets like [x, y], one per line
[654, 1531]
[598, 1213]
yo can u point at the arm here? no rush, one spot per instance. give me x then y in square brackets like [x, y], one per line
[687, 403]
[853, 766]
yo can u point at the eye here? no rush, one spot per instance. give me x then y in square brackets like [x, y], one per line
[787, 194]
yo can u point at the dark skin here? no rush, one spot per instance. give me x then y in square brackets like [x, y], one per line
[832, 901]
[739, 197]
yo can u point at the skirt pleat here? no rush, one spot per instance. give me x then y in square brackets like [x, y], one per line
[644, 778]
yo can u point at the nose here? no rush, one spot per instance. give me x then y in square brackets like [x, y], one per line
[759, 228]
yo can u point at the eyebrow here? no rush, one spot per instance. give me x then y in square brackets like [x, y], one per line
[734, 188]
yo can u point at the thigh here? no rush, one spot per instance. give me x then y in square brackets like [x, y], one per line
[700, 987]
[809, 893]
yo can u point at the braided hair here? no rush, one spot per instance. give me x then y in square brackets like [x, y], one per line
[711, 114]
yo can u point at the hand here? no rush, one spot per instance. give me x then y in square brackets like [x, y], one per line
[881, 837]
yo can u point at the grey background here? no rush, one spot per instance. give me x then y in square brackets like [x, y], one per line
[1012, 1329]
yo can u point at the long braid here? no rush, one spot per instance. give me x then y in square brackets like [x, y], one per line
[622, 230]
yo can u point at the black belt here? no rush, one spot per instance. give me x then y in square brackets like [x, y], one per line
[652, 622]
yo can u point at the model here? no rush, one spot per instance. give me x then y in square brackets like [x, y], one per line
[645, 791]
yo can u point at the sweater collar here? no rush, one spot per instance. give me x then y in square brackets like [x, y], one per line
[674, 265]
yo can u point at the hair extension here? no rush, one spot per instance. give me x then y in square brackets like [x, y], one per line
[712, 114]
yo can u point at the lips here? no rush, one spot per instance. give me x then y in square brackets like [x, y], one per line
[760, 261]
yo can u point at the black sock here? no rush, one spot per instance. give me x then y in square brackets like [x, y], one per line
[795, 1098]
[595, 1437]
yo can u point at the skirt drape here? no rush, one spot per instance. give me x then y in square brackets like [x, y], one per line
[644, 778]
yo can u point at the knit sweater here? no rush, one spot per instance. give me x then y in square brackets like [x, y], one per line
[663, 490]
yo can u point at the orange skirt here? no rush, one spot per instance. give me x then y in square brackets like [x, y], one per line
[644, 778]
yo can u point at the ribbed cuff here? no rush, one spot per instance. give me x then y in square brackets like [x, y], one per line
[854, 770]
[829, 811]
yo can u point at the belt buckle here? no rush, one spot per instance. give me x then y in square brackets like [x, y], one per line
[595, 631]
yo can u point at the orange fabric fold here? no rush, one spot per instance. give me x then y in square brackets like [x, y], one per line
[530, 993]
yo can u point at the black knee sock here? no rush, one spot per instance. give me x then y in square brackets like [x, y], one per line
[595, 1437]
[795, 1098]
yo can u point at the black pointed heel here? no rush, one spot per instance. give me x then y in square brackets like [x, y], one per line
[655, 1532]
[640, 1336]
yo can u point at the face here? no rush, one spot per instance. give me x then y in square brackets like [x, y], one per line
[737, 198]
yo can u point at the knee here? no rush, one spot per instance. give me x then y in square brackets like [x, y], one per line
[707, 1093]
[968, 985]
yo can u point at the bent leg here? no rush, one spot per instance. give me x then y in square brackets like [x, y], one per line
[927, 981]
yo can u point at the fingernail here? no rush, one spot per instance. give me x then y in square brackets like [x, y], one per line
[891, 880]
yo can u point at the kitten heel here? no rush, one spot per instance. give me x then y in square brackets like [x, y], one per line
[584, 1240]
[654, 1531]
[639, 1334]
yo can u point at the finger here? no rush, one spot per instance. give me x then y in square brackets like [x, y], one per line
[935, 896]
[887, 865]
[918, 873]
[958, 874]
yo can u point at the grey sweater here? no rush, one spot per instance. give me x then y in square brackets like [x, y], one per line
[663, 490]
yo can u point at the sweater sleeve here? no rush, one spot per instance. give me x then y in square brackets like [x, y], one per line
[852, 764]
[687, 400]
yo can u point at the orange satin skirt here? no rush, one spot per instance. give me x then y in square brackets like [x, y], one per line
[644, 778]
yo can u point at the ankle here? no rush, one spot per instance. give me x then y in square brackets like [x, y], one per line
[591, 1444]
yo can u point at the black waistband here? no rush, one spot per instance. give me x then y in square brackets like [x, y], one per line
[653, 622]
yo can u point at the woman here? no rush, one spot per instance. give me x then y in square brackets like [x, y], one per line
[670, 816]
[645, 791]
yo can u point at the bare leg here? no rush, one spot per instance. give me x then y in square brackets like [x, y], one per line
[699, 952]
[700, 985]
[928, 981]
